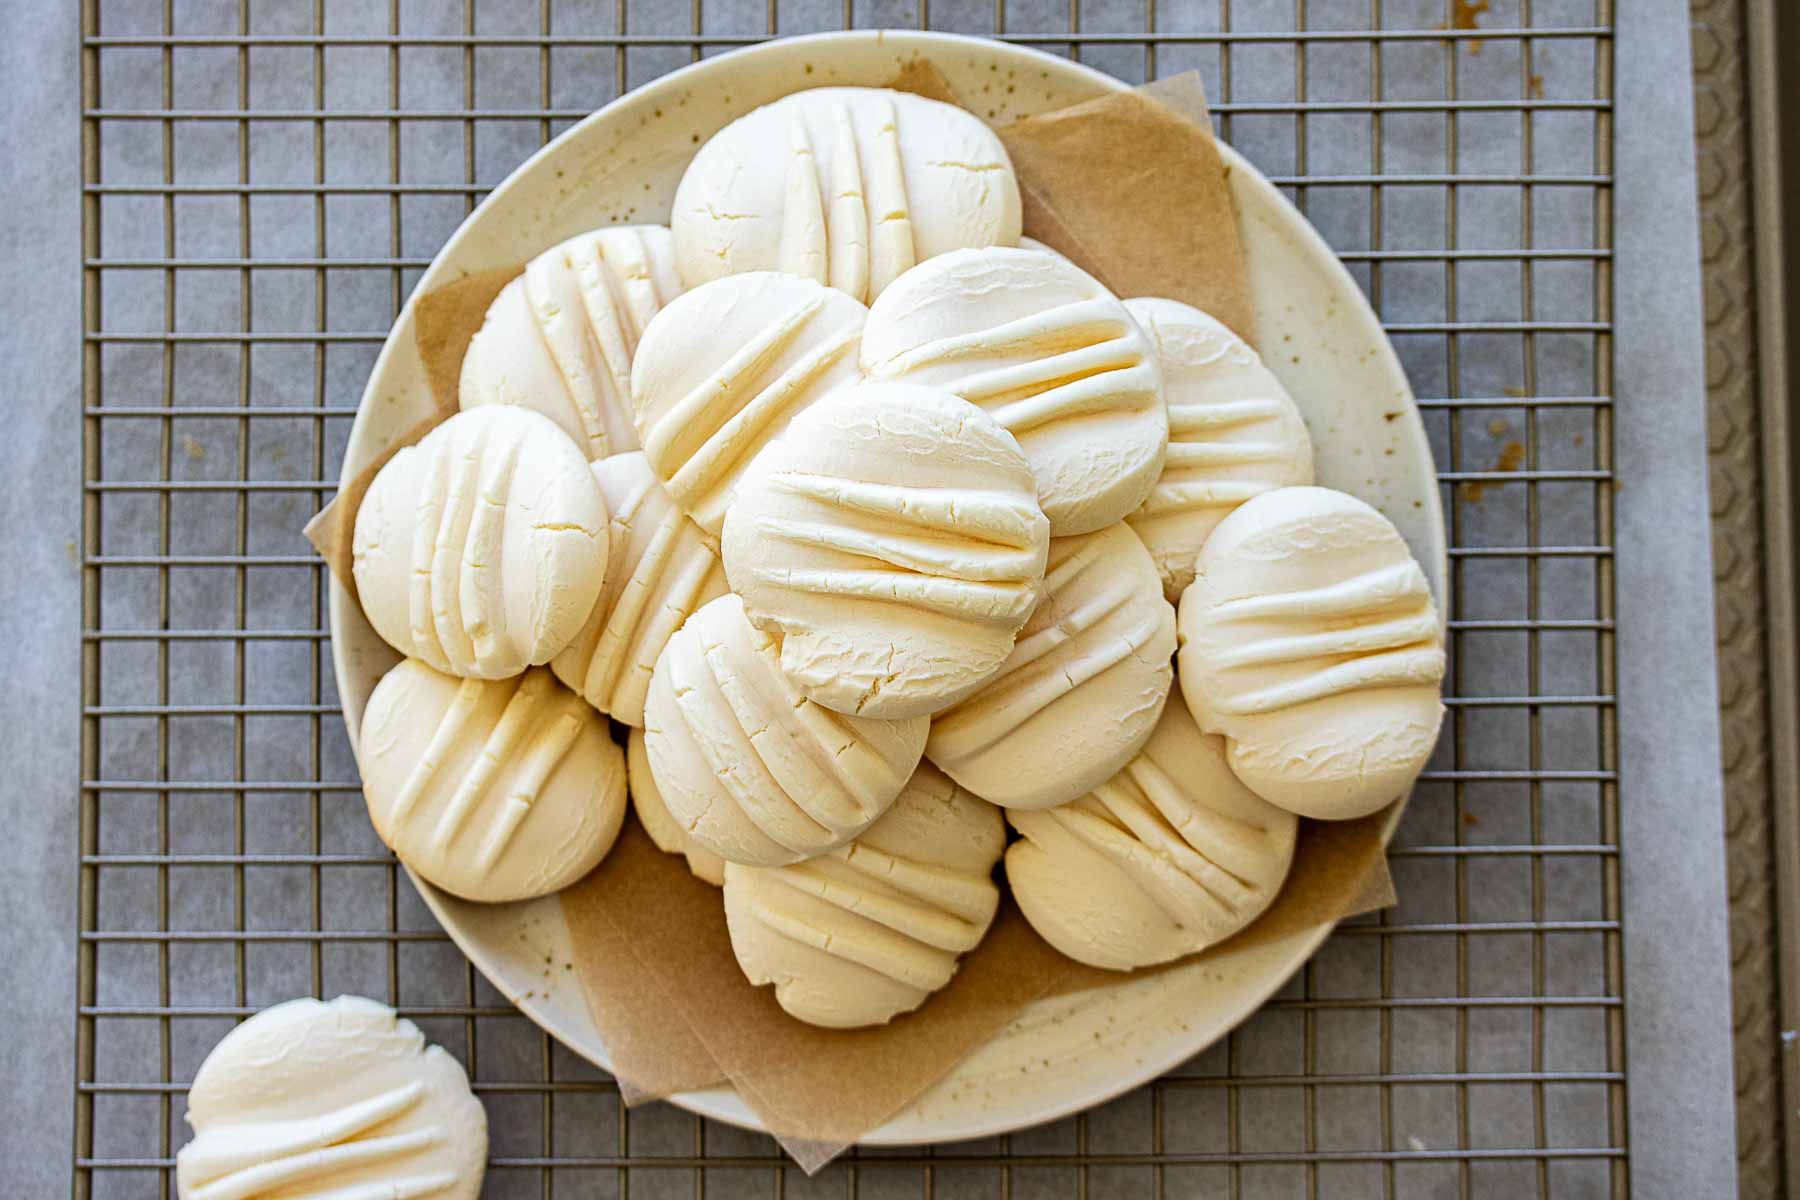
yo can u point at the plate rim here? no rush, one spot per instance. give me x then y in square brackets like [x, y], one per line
[722, 1103]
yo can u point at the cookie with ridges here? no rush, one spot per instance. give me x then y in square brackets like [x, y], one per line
[870, 930]
[747, 765]
[1170, 856]
[338, 1099]
[1234, 433]
[482, 549]
[1082, 688]
[1310, 640]
[1051, 355]
[559, 338]
[844, 186]
[724, 368]
[494, 790]
[892, 538]
[660, 568]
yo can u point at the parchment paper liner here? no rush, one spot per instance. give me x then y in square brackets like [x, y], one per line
[1130, 186]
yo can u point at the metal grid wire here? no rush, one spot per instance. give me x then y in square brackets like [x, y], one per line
[263, 184]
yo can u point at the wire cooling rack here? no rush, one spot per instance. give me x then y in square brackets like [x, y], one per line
[263, 184]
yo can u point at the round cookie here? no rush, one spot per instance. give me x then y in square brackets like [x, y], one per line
[1082, 688]
[892, 538]
[1051, 355]
[754, 771]
[559, 338]
[724, 368]
[660, 568]
[654, 816]
[844, 186]
[493, 790]
[872, 929]
[1309, 639]
[1233, 433]
[481, 550]
[344, 1098]
[1170, 856]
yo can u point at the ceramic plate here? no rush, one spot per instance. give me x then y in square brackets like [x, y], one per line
[621, 165]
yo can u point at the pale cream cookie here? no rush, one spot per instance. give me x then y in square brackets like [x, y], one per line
[845, 186]
[1310, 640]
[491, 789]
[482, 549]
[1170, 856]
[312, 1100]
[1051, 355]
[559, 338]
[892, 538]
[872, 929]
[724, 368]
[660, 568]
[747, 765]
[1234, 433]
[1082, 688]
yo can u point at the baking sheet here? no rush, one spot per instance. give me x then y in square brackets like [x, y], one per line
[1369, 1050]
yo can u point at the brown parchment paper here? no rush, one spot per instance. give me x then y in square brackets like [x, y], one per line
[1132, 188]
[654, 958]
[649, 1061]
[446, 320]
[818, 1085]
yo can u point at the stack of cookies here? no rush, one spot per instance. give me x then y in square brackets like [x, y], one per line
[842, 532]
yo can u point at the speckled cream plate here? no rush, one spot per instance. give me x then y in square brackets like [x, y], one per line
[621, 164]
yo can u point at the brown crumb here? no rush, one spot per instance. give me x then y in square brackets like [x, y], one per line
[1536, 86]
[1512, 455]
[1392, 416]
[1465, 14]
[1470, 818]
